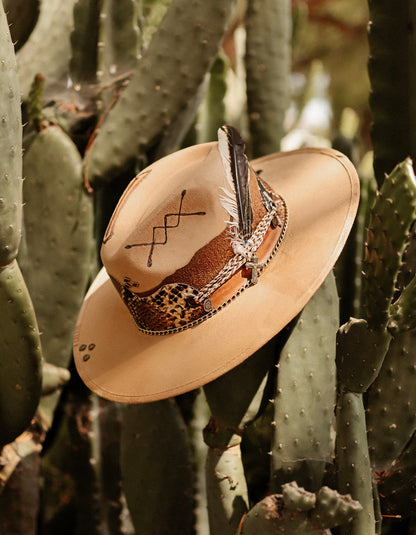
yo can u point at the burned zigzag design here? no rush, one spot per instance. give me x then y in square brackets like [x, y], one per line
[165, 228]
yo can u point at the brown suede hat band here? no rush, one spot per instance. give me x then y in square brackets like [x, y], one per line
[174, 307]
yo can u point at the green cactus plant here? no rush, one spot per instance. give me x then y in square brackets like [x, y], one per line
[156, 461]
[299, 511]
[47, 50]
[390, 401]
[20, 352]
[20, 355]
[267, 60]
[58, 217]
[22, 16]
[153, 86]
[83, 63]
[392, 83]
[363, 344]
[231, 411]
[11, 150]
[305, 394]
[138, 72]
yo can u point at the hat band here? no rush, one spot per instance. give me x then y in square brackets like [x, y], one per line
[174, 307]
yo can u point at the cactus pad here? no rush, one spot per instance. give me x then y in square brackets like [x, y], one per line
[20, 355]
[10, 149]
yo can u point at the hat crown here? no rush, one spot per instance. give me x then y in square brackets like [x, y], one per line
[185, 236]
[163, 218]
[170, 220]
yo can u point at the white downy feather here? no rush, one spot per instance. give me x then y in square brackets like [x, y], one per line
[228, 198]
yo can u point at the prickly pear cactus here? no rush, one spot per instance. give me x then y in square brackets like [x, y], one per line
[156, 460]
[22, 16]
[391, 218]
[267, 59]
[231, 411]
[20, 354]
[10, 148]
[390, 402]
[47, 51]
[363, 345]
[298, 511]
[154, 85]
[58, 238]
[305, 394]
[108, 87]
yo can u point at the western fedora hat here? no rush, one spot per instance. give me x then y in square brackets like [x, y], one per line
[206, 257]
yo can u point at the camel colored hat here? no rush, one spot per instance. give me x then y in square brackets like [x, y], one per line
[206, 258]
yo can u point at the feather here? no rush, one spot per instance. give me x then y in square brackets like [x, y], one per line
[235, 196]
[265, 195]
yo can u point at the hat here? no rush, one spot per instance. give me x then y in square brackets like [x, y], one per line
[206, 257]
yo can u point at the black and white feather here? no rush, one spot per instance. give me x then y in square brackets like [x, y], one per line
[235, 196]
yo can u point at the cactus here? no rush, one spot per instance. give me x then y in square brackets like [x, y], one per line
[58, 216]
[109, 87]
[20, 352]
[267, 60]
[22, 16]
[391, 218]
[119, 35]
[363, 344]
[20, 355]
[350, 264]
[156, 461]
[71, 481]
[301, 449]
[396, 485]
[83, 63]
[360, 354]
[104, 48]
[390, 404]
[353, 460]
[47, 51]
[19, 500]
[151, 14]
[232, 410]
[393, 84]
[225, 479]
[10, 148]
[213, 109]
[154, 85]
[298, 511]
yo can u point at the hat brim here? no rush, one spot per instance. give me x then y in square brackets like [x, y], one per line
[120, 363]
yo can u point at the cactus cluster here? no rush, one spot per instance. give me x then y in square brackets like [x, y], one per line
[315, 433]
